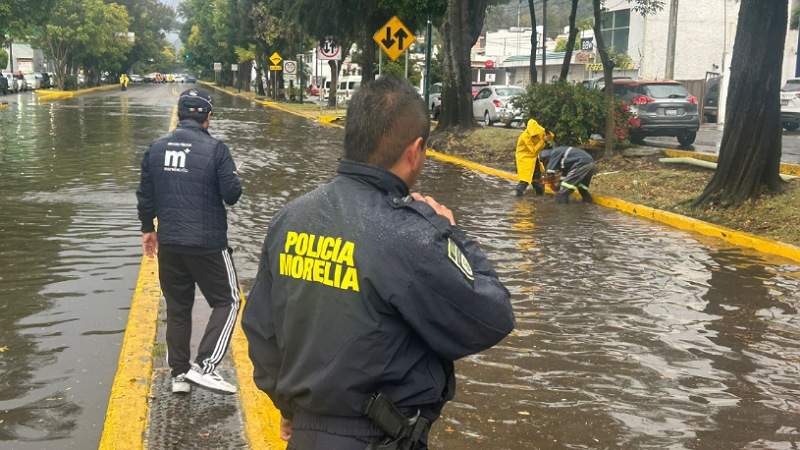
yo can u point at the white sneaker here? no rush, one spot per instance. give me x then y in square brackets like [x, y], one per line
[211, 381]
[180, 385]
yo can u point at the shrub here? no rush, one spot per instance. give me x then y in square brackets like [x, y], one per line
[71, 83]
[572, 112]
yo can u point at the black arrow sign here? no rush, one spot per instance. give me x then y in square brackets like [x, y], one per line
[401, 35]
[388, 42]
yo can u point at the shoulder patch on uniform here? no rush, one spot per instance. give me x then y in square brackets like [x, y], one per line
[457, 257]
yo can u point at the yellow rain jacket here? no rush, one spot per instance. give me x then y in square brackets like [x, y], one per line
[123, 80]
[530, 143]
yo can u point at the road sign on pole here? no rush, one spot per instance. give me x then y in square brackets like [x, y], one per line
[234, 67]
[290, 70]
[217, 67]
[275, 59]
[329, 51]
[394, 38]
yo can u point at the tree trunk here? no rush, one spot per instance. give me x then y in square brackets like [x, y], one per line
[750, 152]
[573, 35]
[461, 28]
[334, 65]
[534, 44]
[368, 55]
[608, 77]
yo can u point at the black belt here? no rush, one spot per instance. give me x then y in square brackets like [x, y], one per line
[341, 425]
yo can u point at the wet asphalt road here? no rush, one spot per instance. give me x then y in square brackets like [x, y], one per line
[630, 334]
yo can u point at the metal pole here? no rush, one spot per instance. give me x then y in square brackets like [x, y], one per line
[406, 64]
[300, 76]
[544, 41]
[380, 62]
[669, 71]
[11, 55]
[428, 52]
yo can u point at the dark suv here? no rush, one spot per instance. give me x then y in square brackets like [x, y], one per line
[660, 108]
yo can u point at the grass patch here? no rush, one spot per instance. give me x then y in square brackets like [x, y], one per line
[673, 188]
[490, 145]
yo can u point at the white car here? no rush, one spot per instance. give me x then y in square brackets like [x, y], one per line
[495, 104]
[180, 78]
[13, 86]
[790, 104]
[32, 82]
[435, 100]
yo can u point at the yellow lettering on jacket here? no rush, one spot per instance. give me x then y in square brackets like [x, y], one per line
[320, 259]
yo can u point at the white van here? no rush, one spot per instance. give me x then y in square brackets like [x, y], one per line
[347, 86]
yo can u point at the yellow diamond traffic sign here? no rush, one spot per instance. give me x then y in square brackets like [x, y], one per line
[394, 38]
[275, 59]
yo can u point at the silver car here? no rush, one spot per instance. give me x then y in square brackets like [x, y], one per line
[790, 104]
[495, 104]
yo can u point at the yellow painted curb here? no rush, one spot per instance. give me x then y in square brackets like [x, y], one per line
[786, 168]
[675, 220]
[48, 95]
[735, 237]
[261, 418]
[323, 120]
[126, 416]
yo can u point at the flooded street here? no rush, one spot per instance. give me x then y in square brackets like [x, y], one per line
[629, 334]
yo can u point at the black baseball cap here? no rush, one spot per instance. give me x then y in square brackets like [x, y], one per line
[196, 101]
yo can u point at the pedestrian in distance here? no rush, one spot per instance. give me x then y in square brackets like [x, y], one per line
[187, 179]
[367, 293]
[123, 81]
[569, 169]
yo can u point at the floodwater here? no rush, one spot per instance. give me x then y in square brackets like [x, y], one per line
[629, 334]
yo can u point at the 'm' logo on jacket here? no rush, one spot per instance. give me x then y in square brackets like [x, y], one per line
[175, 161]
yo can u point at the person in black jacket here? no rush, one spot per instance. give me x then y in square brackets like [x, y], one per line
[575, 165]
[187, 179]
[366, 294]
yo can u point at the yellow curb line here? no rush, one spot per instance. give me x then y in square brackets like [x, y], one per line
[126, 416]
[52, 95]
[261, 418]
[323, 120]
[739, 238]
[786, 168]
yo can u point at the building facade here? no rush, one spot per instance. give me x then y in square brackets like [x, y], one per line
[705, 35]
[24, 58]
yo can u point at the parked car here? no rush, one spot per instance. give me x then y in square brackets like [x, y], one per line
[13, 86]
[137, 79]
[180, 78]
[191, 79]
[711, 103]
[599, 82]
[790, 104]
[435, 100]
[32, 82]
[660, 108]
[495, 104]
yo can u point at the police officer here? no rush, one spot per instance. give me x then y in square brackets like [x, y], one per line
[187, 179]
[575, 165]
[366, 293]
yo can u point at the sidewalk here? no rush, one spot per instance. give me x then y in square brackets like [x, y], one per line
[201, 419]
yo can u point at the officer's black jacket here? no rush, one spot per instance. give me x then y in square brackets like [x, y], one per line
[186, 176]
[559, 160]
[322, 345]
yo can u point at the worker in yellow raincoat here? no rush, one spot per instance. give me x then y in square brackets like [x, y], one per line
[123, 81]
[530, 143]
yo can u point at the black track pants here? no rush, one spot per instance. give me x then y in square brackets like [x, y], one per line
[215, 275]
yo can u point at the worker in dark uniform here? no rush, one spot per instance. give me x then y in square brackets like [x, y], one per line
[187, 179]
[3, 84]
[575, 168]
[366, 293]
